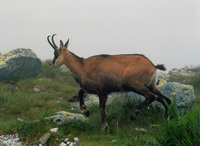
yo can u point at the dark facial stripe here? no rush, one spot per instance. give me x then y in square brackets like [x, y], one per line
[55, 56]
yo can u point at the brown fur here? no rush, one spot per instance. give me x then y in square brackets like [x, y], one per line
[104, 74]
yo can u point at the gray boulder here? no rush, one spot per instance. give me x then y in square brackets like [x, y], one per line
[184, 94]
[19, 64]
[64, 116]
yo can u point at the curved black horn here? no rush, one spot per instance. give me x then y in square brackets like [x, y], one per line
[50, 42]
[53, 41]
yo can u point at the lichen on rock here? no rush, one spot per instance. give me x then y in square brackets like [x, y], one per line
[64, 116]
[184, 94]
[44, 138]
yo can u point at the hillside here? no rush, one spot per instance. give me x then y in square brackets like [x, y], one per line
[26, 103]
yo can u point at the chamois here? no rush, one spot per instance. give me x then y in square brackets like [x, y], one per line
[103, 74]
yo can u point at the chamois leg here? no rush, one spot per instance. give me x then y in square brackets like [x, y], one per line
[150, 97]
[102, 105]
[160, 98]
[82, 104]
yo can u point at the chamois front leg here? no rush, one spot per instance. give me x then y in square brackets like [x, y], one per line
[102, 105]
[82, 104]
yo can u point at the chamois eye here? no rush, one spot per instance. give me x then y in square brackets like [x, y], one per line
[56, 54]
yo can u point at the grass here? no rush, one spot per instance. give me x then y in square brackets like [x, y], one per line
[180, 129]
[18, 102]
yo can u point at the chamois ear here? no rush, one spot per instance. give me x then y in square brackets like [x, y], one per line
[66, 44]
[61, 45]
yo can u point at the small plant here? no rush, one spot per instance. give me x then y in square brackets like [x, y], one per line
[179, 129]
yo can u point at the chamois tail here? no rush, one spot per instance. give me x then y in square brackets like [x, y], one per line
[160, 67]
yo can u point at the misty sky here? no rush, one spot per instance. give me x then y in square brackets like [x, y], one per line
[166, 31]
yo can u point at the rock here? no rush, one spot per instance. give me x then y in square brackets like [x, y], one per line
[36, 89]
[54, 130]
[66, 140]
[92, 98]
[18, 64]
[64, 116]
[184, 94]
[183, 72]
[114, 140]
[63, 144]
[44, 138]
[141, 129]
[64, 69]
[10, 140]
[72, 144]
[76, 139]
[16, 139]
[19, 119]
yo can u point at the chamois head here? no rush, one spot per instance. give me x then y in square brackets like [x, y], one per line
[58, 59]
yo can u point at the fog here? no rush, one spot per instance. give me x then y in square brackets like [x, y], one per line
[166, 31]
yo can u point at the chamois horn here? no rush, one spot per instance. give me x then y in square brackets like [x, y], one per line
[53, 41]
[50, 42]
[53, 45]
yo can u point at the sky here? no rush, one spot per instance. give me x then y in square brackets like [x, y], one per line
[166, 31]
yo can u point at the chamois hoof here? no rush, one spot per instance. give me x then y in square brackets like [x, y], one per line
[104, 127]
[134, 115]
[86, 113]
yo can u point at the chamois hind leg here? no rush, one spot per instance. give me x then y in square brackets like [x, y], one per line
[82, 104]
[102, 105]
[160, 98]
[150, 97]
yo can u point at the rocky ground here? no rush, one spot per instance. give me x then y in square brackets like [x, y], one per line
[13, 140]
[10, 140]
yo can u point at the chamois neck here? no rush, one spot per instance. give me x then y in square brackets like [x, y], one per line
[74, 63]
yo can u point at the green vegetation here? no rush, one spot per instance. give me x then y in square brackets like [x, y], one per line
[180, 129]
[22, 110]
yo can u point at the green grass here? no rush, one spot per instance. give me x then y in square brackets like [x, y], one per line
[17, 100]
[180, 129]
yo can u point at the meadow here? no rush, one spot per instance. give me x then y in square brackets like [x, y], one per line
[23, 111]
